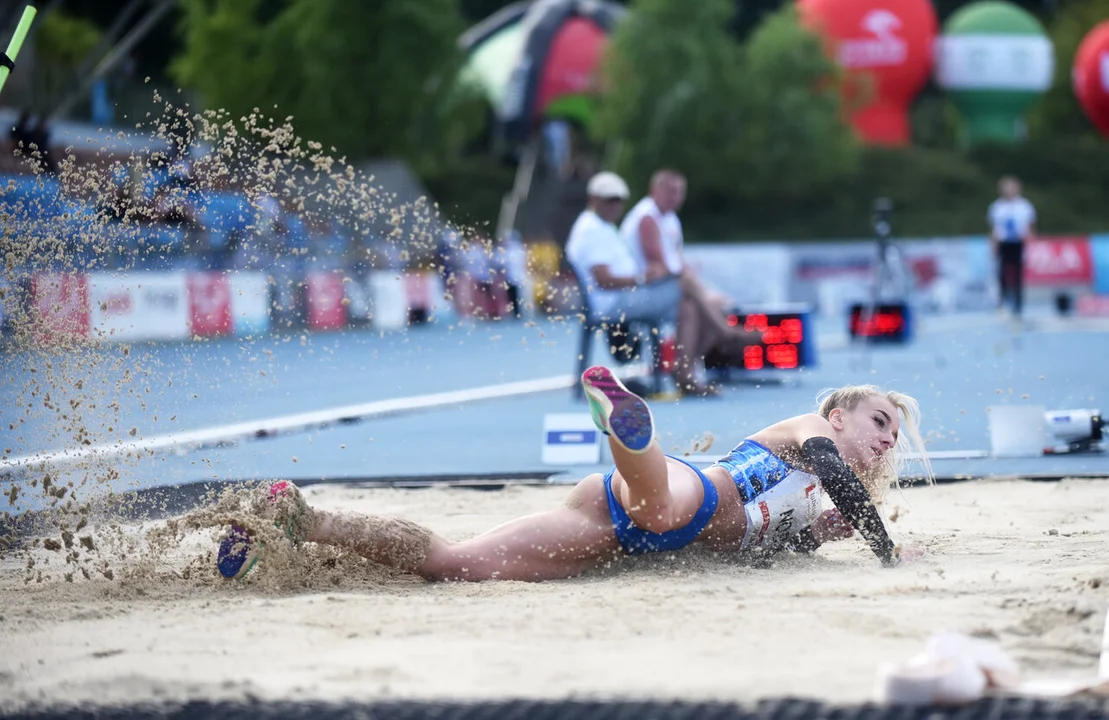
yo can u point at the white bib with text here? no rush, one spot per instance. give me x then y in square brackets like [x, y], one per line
[774, 516]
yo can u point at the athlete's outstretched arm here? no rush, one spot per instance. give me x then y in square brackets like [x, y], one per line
[849, 495]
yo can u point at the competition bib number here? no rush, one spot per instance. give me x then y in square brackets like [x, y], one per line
[777, 514]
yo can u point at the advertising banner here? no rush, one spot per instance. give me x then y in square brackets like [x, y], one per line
[325, 293]
[60, 306]
[209, 304]
[1059, 261]
[128, 307]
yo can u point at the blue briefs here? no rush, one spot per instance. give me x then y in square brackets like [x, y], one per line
[636, 541]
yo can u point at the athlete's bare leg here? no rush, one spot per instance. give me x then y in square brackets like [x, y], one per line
[556, 544]
[657, 493]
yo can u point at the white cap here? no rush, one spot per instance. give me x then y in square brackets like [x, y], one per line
[607, 185]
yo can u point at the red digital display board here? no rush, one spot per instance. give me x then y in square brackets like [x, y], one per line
[890, 321]
[785, 343]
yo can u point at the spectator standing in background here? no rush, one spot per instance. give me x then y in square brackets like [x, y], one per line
[176, 207]
[1012, 222]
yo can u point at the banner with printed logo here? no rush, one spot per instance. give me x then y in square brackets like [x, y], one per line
[60, 306]
[941, 274]
[325, 293]
[128, 307]
[1058, 261]
[209, 304]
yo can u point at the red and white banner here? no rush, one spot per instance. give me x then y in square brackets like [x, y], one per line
[138, 306]
[127, 307]
[1058, 261]
[417, 290]
[209, 304]
[1093, 306]
[326, 309]
[61, 306]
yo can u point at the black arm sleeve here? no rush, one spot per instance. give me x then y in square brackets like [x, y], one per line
[848, 494]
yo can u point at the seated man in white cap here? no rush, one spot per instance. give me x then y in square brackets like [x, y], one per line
[616, 289]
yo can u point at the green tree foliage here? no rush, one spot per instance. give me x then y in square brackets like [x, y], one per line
[793, 140]
[371, 79]
[228, 55]
[761, 121]
[61, 42]
[669, 71]
[65, 40]
[1058, 113]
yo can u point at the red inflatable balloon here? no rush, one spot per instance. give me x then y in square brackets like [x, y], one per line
[572, 61]
[891, 41]
[1091, 76]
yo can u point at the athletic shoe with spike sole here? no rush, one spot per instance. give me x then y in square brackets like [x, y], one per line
[617, 411]
[238, 551]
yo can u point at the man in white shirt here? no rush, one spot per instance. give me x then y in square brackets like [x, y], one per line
[616, 289]
[652, 230]
[1012, 222]
[653, 233]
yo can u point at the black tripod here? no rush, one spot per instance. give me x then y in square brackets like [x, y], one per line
[889, 281]
[890, 277]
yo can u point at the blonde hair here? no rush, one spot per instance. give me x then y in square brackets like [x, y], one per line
[879, 480]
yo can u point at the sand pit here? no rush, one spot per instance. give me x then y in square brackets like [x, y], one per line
[1020, 562]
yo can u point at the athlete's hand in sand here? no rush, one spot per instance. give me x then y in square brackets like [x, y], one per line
[831, 525]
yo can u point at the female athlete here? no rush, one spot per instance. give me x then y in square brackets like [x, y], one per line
[765, 496]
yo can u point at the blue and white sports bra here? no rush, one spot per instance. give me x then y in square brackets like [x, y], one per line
[779, 499]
